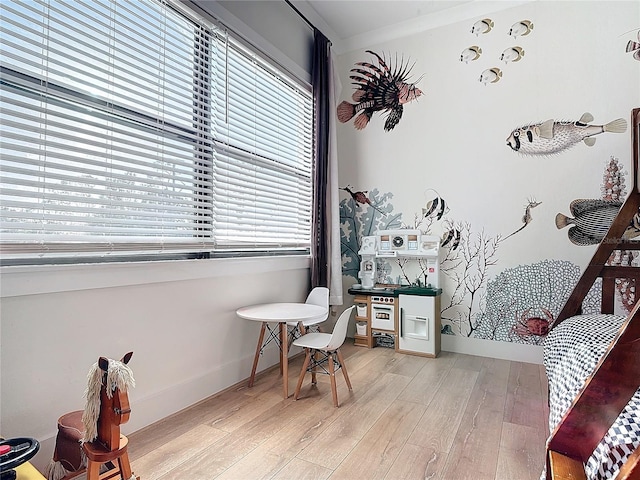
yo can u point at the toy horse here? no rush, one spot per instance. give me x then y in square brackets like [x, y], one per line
[102, 449]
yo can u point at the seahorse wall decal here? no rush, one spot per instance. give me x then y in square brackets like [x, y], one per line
[526, 218]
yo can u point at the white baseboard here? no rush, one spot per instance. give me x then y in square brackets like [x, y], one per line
[490, 348]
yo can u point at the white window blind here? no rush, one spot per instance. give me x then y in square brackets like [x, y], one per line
[263, 168]
[128, 128]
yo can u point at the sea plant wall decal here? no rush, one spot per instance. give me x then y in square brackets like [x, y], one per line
[468, 271]
[361, 218]
[614, 189]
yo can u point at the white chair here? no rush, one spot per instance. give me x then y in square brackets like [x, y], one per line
[327, 346]
[317, 296]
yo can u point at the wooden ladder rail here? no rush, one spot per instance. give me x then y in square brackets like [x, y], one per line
[604, 395]
[612, 241]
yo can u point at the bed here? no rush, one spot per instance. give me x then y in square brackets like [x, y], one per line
[593, 365]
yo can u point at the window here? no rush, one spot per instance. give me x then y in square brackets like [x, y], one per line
[130, 128]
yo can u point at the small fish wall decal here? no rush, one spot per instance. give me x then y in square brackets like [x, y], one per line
[490, 75]
[482, 26]
[591, 218]
[360, 197]
[452, 237]
[436, 207]
[512, 54]
[520, 29]
[470, 54]
[551, 137]
[634, 47]
[379, 88]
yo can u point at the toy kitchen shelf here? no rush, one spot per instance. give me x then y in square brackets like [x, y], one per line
[410, 316]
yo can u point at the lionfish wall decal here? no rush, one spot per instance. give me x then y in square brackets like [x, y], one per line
[379, 88]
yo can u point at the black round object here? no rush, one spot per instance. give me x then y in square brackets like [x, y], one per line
[22, 449]
[398, 241]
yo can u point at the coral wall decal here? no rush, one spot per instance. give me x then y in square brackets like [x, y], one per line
[523, 293]
[613, 189]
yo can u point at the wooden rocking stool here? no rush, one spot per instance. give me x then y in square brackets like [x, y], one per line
[95, 432]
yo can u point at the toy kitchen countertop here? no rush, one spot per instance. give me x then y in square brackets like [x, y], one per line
[396, 290]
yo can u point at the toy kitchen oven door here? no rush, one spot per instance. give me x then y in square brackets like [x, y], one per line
[382, 313]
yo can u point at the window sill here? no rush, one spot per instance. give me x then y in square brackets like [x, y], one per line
[33, 280]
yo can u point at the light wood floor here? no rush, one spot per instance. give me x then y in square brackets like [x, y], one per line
[455, 417]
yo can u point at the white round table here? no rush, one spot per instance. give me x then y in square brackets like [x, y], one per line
[281, 313]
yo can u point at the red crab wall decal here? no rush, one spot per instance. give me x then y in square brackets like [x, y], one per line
[526, 326]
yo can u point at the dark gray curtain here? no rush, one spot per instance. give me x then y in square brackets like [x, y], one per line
[321, 85]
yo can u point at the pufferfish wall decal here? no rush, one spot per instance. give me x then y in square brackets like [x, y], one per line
[551, 137]
[379, 88]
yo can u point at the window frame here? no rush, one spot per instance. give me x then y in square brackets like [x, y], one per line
[159, 256]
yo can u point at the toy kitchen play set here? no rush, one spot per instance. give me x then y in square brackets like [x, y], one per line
[406, 314]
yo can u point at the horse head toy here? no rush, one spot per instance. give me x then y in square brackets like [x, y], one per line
[107, 405]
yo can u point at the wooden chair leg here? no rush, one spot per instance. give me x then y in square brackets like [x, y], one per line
[282, 335]
[305, 364]
[125, 466]
[93, 470]
[332, 375]
[344, 369]
[314, 380]
[255, 359]
[284, 358]
[293, 337]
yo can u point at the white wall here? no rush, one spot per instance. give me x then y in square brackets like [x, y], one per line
[177, 317]
[453, 138]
